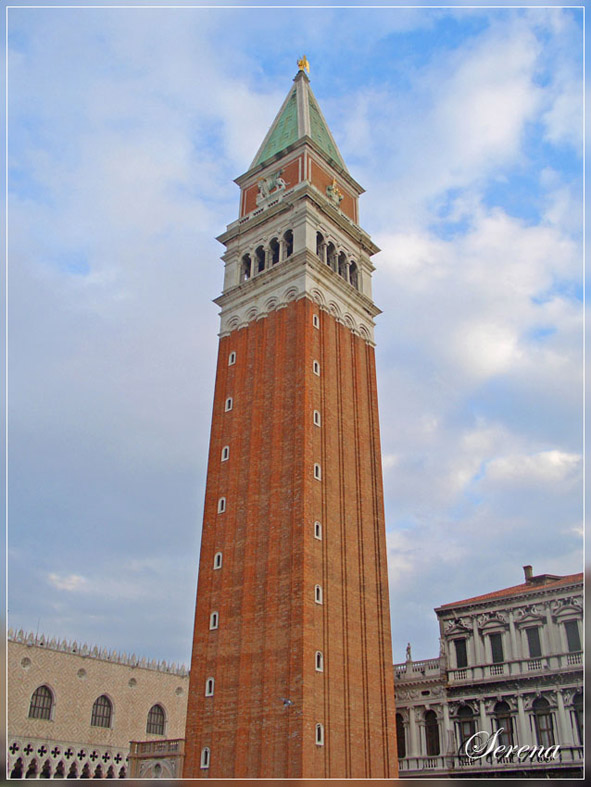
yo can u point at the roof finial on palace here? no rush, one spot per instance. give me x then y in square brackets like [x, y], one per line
[303, 64]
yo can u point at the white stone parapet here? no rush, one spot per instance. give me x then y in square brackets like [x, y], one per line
[103, 654]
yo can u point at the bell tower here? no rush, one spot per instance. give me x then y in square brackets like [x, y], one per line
[291, 672]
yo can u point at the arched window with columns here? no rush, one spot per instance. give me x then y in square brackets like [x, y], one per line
[466, 725]
[246, 268]
[432, 733]
[354, 275]
[331, 256]
[400, 736]
[320, 246]
[288, 243]
[543, 722]
[503, 720]
[259, 256]
[343, 266]
[274, 251]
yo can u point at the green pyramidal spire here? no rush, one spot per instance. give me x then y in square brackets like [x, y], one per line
[298, 117]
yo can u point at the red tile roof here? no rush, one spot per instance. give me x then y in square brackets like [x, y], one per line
[517, 589]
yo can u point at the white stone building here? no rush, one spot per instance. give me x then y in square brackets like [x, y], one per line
[512, 659]
[73, 710]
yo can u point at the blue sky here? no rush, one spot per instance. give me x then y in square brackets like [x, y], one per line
[127, 127]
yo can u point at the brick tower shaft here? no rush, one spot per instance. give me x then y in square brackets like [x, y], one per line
[291, 672]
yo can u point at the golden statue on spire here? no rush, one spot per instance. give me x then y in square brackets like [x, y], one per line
[303, 64]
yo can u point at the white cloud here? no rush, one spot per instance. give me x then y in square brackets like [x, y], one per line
[71, 582]
[545, 467]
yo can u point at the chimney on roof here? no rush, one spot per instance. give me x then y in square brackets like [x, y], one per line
[527, 570]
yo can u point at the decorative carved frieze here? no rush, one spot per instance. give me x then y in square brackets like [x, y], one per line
[570, 605]
[493, 619]
[458, 626]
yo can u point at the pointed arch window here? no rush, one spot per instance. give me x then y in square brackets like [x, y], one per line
[432, 733]
[102, 712]
[41, 704]
[156, 720]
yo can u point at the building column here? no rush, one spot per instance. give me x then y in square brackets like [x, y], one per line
[483, 719]
[512, 649]
[347, 276]
[323, 252]
[523, 732]
[412, 734]
[447, 728]
[281, 249]
[477, 644]
[563, 733]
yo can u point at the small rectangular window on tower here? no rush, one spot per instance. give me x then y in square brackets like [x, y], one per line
[316, 368]
[317, 472]
[319, 735]
[213, 621]
[221, 505]
[318, 531]
[318, 594]
[229, 404]
[316, 418]
[225, 453]
[232, 359]
[316, 321]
